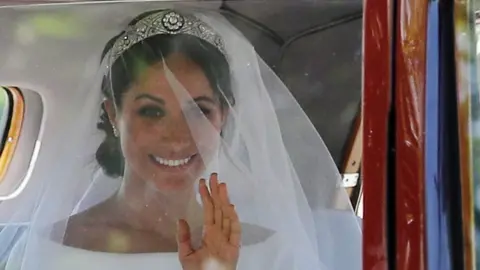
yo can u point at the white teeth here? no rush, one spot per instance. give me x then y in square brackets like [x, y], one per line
[172, 163]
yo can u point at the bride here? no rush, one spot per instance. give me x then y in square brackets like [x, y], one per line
[205, 164]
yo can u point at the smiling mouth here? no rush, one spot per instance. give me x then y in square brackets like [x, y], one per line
[172, 163]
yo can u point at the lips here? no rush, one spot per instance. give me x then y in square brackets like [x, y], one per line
[172, 163]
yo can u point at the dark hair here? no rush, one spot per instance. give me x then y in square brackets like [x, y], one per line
[125, 70]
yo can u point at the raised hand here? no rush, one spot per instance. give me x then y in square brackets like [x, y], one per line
[221, 232]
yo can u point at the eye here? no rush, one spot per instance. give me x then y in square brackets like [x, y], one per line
[199, 110]
[151, 112]
[205, 111]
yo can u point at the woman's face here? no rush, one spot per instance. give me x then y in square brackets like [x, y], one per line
[168, 134]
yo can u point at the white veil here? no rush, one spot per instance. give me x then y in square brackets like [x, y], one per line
[279, 173]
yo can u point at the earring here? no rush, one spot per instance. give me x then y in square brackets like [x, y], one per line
[115, 131]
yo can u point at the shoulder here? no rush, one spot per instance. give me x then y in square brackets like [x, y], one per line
[84, 229]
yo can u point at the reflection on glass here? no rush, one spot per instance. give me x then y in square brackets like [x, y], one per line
[11, 119]
[475, 118]
[4, 114]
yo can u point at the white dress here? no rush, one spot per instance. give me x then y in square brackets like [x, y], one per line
[261, 256]
[264, 255]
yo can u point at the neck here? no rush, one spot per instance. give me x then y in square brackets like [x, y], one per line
[142, 206]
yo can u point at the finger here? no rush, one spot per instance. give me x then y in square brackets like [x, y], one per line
[235, 227]
[214, 187]
[223, 195]
[207, 203]
[184, 239]
[226, 228]
[218, 217]
[225, 201]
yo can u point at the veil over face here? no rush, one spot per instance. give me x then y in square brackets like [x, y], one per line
[179, 94]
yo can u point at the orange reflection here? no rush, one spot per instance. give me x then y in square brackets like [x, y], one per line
[13, 131]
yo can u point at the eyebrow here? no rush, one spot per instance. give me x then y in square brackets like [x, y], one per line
[147, 96]
[205, 99]
[161, 101]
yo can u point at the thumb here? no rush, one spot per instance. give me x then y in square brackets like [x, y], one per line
[184, 239]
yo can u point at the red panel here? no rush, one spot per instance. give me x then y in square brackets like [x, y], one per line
[410, 76]
[376, 100]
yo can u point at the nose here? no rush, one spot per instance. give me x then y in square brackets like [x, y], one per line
[176, 134]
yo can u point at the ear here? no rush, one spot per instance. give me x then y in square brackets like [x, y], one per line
[112, 114]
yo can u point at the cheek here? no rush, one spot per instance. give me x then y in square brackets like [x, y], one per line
[130, 144]
[217, 125]
[134, 138]
[208, 138]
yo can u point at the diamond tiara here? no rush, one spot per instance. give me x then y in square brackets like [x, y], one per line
[165, 22]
